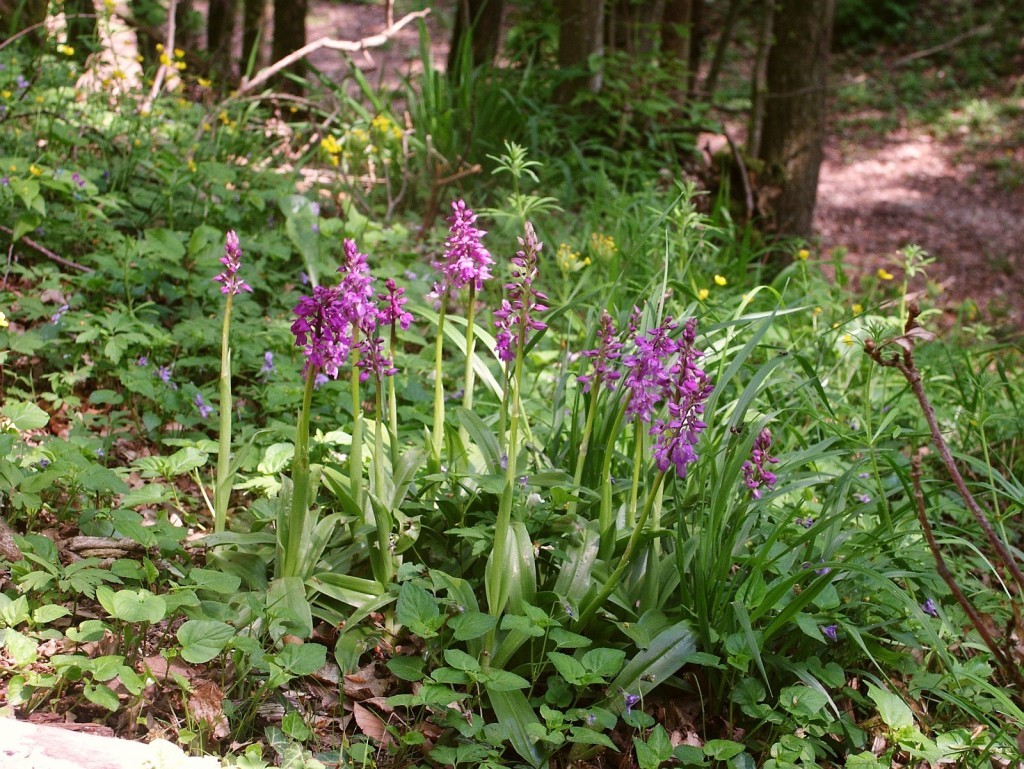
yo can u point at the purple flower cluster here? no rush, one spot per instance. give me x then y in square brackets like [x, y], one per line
[466, 261]
[334, 321]
[393, 310]
[604, 356]
[516, 315]
[754, 472]
[204, 409]
[232, 260]
[686, 388]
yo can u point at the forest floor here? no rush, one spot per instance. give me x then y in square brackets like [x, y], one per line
[952, 184]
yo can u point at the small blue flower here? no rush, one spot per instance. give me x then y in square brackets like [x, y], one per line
[204, 410]
[43, 463]
[142, 361]
[862, 498]
[831, 632]
[929, 608]
[631, 701]
[268, 364]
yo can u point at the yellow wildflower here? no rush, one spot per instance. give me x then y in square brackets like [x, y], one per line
[381, 123]
[223, 117]
[192, 165]
[848, 339]
[204, 82]
[330, 145]
[165, 59]
[139, 58]
[118, 75]
[178, 53]
[858, 308]
[39, 100]
[4, 323]
[817, 311]
[5, 94]
[35, 170]
[180, 66]
[720, 281]
[569, 260]
[884, 274]
[108, 4]
[803, 254]
[603, 246]
[703, 294]
[159, 47]
[67, 50]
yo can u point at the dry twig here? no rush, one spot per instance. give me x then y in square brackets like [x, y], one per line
[350, 46]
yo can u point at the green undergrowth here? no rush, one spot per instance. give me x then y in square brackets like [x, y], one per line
[409, 577]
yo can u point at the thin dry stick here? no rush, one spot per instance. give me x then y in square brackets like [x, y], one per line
[1008, 668]
[161, 72]
[903, 362]
[48, 253]
[351, 46]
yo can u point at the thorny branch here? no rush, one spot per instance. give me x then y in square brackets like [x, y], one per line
[902, 359]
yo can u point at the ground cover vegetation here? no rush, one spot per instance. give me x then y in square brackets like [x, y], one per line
[319, 448]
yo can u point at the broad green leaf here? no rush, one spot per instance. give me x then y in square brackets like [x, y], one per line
[215, 581]
[459, 660]
[417, 609]
[48, 613]
[722, 750]
[102, 695]
[202, 640]
[513, 711]
[658, 662]
[21, 648]
[407, 668]
[25, 416]
[471, 624]
[504, 681]
[895, 713]
[302, 659]
[132, 605]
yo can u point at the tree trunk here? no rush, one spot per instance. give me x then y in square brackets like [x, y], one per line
[759, 77]
[81, 21]
[635, 27]
[794, 119]
[289, 36]
[580, 36]
[732, 16]
[477, 24]
[220, 30]
[254, 14]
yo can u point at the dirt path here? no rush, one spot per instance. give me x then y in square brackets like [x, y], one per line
[912, 188]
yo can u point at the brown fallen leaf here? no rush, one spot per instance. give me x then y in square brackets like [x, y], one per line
[371, 724]
[206, 704]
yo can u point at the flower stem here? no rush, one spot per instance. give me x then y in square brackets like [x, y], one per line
[627, 555]
[467, 393]
[300, 484]
[437, 436]
[222, 490]
[355, 456]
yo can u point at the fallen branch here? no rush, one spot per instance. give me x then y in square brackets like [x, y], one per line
[48, 253]
[350, 46]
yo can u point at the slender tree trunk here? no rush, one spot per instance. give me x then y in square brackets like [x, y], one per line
[759, 78]
[81, 21]
[477, 24]
[795, 108]
[187, 24]
[637, 26]
[580, 36]
[254, 13]
[289, 36]
[732, 15]
[677, 30]
[220, 30]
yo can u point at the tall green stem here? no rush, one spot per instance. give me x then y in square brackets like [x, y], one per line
[627, 555]
[355, 457]
[385, 567]
[497, 585]
[581, 458]
[222, 491]
[437, 436]
[467, 392]
[393, 405]
[300, 483]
